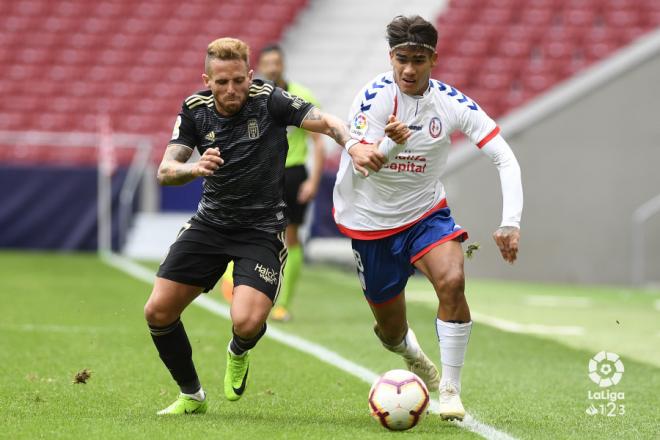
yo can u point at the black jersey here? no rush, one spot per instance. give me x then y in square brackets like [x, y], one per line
[247, 190]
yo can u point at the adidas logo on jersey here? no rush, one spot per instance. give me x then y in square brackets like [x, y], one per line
[210, 136]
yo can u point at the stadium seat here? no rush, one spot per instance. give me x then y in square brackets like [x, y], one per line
[622, 17]
[533, 44]
[106, 57]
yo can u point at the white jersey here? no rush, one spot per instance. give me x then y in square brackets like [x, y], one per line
[408, 187]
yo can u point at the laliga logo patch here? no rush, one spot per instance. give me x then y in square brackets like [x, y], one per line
[605, 369]
[359, 125]
[435, 127]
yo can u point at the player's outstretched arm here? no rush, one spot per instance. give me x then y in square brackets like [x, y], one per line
[174, 170]
[364, 156]
[507, 235]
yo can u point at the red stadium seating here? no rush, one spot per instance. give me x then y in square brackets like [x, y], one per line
[67, 63]
[521, 48]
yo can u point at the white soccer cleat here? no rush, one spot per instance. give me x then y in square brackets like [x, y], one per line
[425, 369]
[451, 407]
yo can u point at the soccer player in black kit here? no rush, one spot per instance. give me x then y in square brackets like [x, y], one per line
[239, 128]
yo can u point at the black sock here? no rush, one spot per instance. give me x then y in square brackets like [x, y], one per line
[176, 353]
[238, 345]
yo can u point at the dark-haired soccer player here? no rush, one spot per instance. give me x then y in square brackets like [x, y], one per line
[239, 126]
[398, 217]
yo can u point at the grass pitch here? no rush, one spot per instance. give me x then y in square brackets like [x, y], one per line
[66, 313]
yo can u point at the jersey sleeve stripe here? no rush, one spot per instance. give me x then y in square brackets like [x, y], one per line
[488, 137]
[311, 107]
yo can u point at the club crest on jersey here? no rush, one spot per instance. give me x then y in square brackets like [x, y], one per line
[435, 127]
[253, 128]
[359, 125]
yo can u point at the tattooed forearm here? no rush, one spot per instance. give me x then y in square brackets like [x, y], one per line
[327, 124]
[340, 134]
[173, 169]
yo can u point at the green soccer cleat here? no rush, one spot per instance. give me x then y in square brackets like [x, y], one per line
[185, 405]
[236, 375]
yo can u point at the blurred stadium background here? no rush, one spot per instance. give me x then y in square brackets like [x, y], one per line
[90, 94]
[574, 84]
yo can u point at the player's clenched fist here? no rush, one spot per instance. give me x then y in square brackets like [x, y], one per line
[208, 163]
[507, 238]
[366, 157]
[397, 130]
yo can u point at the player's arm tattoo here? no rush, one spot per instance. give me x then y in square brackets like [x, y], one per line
[327, 124]
[173, 169]
[314, 115]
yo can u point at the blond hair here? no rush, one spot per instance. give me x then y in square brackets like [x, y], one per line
[227, 49]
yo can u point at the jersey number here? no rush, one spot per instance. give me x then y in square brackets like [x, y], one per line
[360, 268]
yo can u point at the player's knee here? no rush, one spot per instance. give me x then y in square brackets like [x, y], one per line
[247, 326]
[450, 285]
[157, 316]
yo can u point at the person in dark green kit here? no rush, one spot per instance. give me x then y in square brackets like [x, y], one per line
[300, 187]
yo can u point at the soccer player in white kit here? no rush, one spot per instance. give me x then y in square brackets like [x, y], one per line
[388, 198]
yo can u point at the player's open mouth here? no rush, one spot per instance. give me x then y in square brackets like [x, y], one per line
[408, 81]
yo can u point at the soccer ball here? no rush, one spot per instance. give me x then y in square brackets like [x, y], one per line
[398, 400]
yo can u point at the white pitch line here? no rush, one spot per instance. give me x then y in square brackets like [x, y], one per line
[503, 324]
[533, 329]
[557, 301]
[300, 344]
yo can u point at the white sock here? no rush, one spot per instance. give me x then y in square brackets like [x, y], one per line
[199, 395]
[453, 339]
[408, 348]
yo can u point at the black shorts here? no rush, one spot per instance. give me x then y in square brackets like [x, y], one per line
[294, 177]
[200, 255]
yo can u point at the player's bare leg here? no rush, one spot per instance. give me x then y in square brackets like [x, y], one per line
[443, 266]
[392, 329]
[249, 311]
[162, 311]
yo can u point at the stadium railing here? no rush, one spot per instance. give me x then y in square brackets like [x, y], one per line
[105, 148]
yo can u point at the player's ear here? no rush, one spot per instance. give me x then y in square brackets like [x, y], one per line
[207, 80]
[434, 59]
[392, 58]
[250, 74]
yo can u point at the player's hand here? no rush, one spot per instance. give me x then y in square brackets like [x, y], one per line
[366, 157]
[307, 191]
[397, 130]
[507, 238]
[208, 163]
